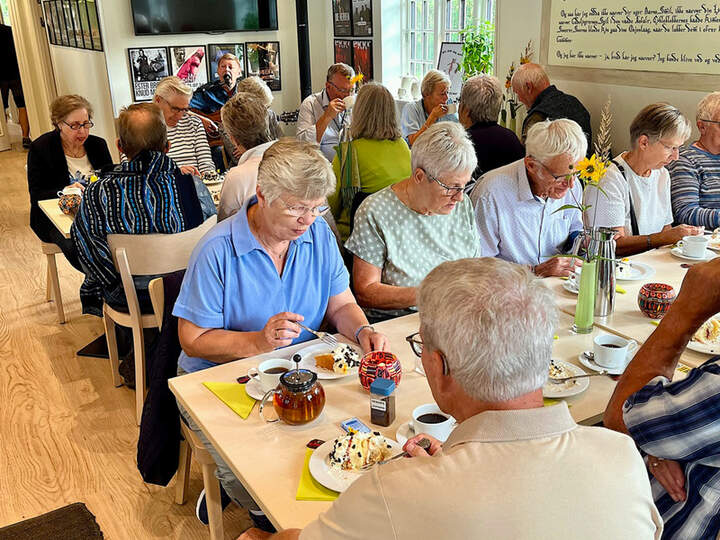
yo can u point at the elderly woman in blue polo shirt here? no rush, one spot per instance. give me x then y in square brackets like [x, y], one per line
[257, 274]
[419, 116]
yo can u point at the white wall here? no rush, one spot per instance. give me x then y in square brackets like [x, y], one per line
[519, 20]
[118, 36]
[78, 71]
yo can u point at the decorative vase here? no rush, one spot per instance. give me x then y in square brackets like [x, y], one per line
[602, 249]
[379, 365]
[585, 309]
[654, 299]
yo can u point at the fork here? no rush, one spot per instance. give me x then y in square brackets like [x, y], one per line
[422, 443]
[327, 339]
[565, 379]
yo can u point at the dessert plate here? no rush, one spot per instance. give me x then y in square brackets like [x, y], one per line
[331, 477]
[308, 361]
[569, 388]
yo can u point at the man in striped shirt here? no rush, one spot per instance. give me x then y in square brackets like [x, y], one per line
[695, 175]
[676, 423]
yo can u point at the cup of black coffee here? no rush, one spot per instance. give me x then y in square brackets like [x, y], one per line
[613, 352]
[268, 372]
[431, 420]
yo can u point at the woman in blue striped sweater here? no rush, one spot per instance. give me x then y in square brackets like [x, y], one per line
[695, 175]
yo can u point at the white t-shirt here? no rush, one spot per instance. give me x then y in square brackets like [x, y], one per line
[650, 198]
[81, 164]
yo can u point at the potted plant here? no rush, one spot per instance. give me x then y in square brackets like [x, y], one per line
[478, 49]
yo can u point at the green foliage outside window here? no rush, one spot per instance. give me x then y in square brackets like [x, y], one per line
[478, 49]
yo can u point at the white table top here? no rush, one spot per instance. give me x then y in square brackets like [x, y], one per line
[268, 457]
[52, 211]
[627, 320]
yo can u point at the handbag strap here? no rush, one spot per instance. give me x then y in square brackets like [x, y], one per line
[633, 216]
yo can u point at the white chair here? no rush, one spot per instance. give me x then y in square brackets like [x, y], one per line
[143, 255]
[190, 445]
[52, 285]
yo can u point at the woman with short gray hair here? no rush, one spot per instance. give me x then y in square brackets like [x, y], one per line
[405, 230]
[189, 147]
[480, 102]
[419, 115]
[635, 197]
[253, 277]
[695, 174]
[523, 209]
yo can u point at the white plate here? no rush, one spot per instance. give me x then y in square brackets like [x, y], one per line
[705, 348]
[590, 364]
[567, 389]
[308, 361]
[332, 478]
[254, 389]
[637, 271]
[679, 253]
[570, 285]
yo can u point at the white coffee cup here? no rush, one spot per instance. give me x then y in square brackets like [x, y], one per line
[402, 93]
[451, 108]
[349, 101]
[440, 430]
[694, 246]
[269, 381]
[70, 190]
[612, 351]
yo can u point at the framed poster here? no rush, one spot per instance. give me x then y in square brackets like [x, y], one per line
[189, 64]
[363, 58]
[147, 66]
[263, 60]
[50, 22]
[362, 18]
[450, 63]
[215, 52]
[72, 23]
[342, 23]
[343, 51]
[94, 24]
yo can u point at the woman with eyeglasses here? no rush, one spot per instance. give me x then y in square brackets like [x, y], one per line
[405, 230]
[187, 141]
[525, 211]
[695, 174]
[67, 155]
[636, 198]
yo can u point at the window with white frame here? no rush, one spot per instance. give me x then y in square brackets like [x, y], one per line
[427, 23]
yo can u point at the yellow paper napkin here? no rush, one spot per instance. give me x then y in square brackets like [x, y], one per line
[233, 395]
[620, 289]
[310, 489]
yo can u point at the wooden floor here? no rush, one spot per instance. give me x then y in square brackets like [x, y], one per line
[66, 434]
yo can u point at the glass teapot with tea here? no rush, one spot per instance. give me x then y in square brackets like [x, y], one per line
[298, 399]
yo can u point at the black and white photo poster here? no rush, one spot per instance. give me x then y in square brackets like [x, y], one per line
[147, 66]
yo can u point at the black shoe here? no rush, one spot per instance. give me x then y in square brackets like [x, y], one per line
[127, 370]
[201, 506]
[261, 521]
[26, 142]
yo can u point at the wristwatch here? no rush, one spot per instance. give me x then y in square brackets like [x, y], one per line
[357, 332]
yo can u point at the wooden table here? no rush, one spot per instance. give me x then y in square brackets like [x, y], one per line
[627, 320]
[61, 221]
[268, 457]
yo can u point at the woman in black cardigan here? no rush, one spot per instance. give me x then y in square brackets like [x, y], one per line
[60, 158]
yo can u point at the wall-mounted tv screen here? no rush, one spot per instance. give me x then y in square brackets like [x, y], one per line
[183, 16]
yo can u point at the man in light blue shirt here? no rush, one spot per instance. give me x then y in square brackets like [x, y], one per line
[517, 207]
[433, 107]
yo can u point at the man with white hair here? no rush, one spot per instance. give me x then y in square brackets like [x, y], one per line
[512, 468]
[695, 175]
[322, 115]
[543, 100]
[518, 206]
[480, 102]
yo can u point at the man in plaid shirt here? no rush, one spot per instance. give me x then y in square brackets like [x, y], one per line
[677, 424]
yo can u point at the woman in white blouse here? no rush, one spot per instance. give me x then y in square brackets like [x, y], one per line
[636, 198]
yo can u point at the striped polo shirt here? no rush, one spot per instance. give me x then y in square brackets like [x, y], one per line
[695, 187]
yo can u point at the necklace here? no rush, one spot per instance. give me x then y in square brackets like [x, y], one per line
[74, 153]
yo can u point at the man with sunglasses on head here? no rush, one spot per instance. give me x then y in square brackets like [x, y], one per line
[322, 115]
[518, 206]
[511, 468]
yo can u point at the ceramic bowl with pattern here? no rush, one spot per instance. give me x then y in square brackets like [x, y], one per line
[654, 299]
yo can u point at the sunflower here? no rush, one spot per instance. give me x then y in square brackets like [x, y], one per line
[356, 79]
[592, 170]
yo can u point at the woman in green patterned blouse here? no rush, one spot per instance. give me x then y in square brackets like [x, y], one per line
[405, 230]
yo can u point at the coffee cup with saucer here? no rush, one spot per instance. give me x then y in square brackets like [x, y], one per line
[610, 353]
[266, 376]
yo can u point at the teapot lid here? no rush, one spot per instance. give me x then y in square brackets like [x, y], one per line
[298, 380]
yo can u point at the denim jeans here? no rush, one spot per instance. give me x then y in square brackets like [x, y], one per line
[224, 474]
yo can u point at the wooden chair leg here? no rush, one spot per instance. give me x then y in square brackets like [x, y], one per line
[52, 272]
[212, 499]
[111, 339]
[48, 281]
[183, 472]
[140, 384]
